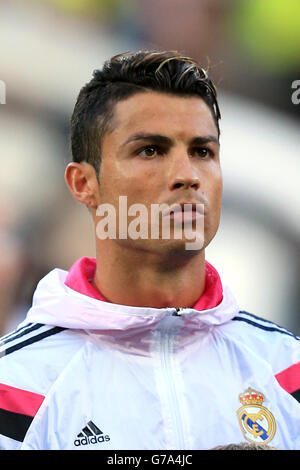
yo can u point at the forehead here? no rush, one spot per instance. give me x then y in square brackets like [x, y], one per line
[163, 113]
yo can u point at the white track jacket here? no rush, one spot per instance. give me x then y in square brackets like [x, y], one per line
[81, 373]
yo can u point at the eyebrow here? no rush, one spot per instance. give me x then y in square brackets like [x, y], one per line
[163, 140]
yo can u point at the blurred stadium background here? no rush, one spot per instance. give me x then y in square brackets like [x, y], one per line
[48, 50]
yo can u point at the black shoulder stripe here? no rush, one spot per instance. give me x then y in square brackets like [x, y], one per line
[264, 327]
[19, 333]
[14, 332]
[259, 318]
[33, 339]
[264, 320]
[14, 425]
[296, 395]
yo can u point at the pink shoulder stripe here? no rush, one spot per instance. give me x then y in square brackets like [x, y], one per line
[19, 401]
[289, 378]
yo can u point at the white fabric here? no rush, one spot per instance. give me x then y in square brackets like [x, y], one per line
[149, 379]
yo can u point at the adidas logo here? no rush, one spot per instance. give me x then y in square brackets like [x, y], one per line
[90, 434]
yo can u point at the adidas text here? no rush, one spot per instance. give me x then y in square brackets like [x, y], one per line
[90, 434]
[91, 440]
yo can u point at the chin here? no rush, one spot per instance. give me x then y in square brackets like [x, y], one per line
[183, 248]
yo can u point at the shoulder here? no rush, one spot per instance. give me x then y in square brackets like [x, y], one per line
[272, 342]
[31, 359]
[267, 329]
[35, 347]
[264, 338]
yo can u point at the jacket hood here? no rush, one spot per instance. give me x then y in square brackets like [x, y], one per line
[56, 304]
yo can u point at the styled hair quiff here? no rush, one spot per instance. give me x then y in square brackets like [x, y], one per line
[123, 76]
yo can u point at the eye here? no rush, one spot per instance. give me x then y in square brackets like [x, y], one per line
[148, 152]
[202, 152]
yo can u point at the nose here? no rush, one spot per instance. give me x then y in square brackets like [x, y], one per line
[183, 174]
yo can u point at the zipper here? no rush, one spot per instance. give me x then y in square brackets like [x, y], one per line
[178, 312]
[166, 349]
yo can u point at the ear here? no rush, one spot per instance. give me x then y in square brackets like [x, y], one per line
[82, 181]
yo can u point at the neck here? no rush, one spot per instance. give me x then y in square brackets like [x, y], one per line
[139, 278]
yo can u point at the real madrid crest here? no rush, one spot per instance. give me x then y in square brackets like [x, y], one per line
[256, 421]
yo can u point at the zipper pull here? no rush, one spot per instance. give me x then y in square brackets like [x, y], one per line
[178, 312]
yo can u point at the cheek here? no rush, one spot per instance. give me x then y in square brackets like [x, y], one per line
[214, 196]
[113, 182]
[214, 185]
[138, 186]
[219, 189]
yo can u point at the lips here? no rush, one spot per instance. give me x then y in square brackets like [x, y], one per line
[185, 207]
[185, 211]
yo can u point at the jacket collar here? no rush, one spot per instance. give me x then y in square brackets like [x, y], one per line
[83, 270]
[57, 304]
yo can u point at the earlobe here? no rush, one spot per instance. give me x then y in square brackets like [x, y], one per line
[82, 182]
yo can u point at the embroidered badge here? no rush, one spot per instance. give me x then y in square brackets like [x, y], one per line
[256, 421]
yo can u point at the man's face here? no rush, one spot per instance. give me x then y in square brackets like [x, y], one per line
[163, 149]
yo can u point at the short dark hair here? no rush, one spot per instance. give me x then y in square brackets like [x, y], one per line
[245, 446]
[123, 76]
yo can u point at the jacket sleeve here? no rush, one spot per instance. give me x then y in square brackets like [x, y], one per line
[289, 379]
[17, 410]
[280, 347]
[31, 360]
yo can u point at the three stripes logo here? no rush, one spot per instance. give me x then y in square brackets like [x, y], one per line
[90, 434]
